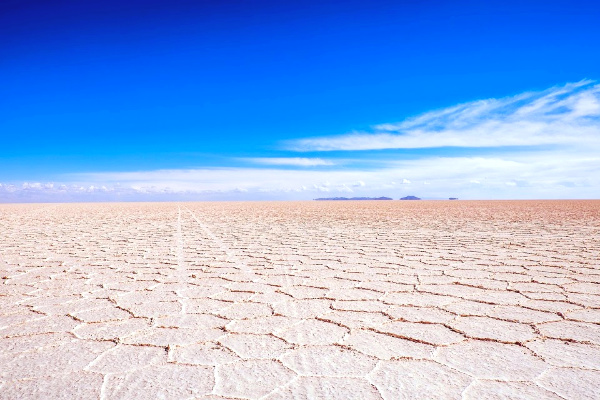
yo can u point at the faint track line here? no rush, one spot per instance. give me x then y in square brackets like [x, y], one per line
[180, 261]
[230, 255]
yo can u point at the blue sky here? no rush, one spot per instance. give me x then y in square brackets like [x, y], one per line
[232, 100]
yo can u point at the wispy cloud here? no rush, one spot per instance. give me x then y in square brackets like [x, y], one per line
[291, 161]
[568, 116]
[558, 129]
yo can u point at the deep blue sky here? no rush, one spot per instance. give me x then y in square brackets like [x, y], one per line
[139, 85]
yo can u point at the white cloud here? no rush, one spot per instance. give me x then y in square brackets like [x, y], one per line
[34, 185]
[567, 116]
[566, 120]
[293, 161]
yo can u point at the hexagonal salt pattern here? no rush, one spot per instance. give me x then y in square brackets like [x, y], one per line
[307, 300]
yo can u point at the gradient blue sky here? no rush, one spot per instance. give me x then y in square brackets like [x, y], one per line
[182, 100]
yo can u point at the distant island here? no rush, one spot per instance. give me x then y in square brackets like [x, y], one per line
[453, 198]
[355, 198]
[410, 198]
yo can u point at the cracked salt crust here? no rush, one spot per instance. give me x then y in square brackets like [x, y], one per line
[353, 300]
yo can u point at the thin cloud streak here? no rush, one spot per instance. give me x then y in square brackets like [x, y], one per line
[291, 161]
[561, 116]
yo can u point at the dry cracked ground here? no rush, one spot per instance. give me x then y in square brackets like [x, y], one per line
[319, 300]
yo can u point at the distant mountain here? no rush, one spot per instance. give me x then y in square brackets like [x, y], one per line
[410, 198]
[355, 198]
[453, 198]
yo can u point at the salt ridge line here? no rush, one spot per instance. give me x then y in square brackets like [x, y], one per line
[43, 209]
[230, 255]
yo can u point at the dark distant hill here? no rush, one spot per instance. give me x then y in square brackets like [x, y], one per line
[410, 198]
[453, 198]
[355, 198]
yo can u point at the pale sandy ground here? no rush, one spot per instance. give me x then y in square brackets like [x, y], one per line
[323, 300]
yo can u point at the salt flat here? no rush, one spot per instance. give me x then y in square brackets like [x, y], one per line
[324, 300]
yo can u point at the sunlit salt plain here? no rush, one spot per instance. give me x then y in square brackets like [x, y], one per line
[322, 300]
